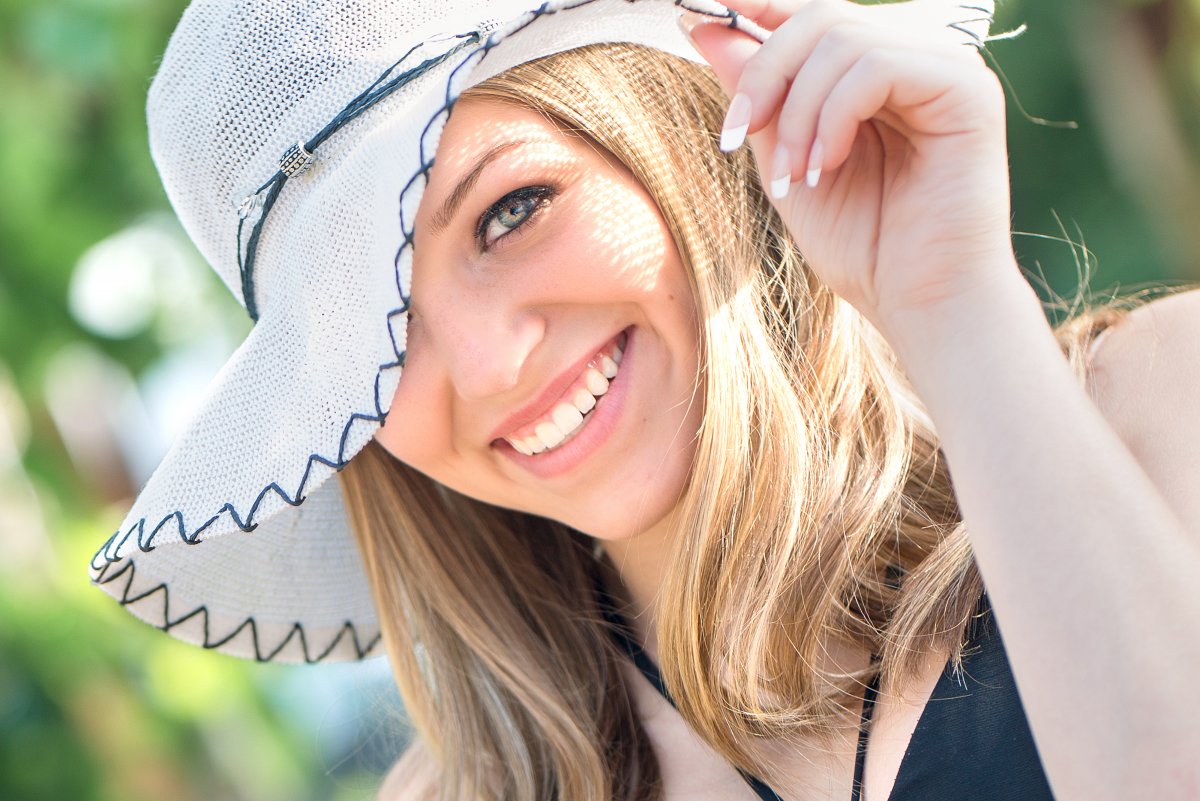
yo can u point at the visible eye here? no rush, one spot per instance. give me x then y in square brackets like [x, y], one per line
[510, 213]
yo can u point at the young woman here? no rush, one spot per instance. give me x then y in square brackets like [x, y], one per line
[712, 465]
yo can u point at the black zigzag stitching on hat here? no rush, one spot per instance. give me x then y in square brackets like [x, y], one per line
[731, 18]
[146, 543]
[295, 632]
[378, 90]
[112, 547]
[108, 554]
[961, 25]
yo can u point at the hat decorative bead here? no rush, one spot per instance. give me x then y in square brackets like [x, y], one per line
[296, 160]
[248, 205]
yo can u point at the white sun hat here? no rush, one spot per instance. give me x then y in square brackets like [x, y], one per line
[294, 139]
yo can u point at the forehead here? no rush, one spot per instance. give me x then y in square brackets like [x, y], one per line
[480, 125]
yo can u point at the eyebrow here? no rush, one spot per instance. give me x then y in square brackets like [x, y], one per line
[446, 213]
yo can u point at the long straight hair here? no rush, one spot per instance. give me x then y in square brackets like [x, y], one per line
[819, 502]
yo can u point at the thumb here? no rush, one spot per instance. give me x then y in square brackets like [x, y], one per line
[725, 49]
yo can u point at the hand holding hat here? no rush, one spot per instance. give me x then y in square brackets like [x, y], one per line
[879, 131]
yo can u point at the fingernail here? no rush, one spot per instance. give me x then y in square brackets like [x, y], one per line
[737, 122]
[815, 156]
[781, 172]
[688, 20]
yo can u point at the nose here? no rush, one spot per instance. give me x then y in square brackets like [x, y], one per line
[484, 344]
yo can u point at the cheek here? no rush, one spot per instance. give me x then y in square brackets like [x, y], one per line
[417, 429]
[626, 237]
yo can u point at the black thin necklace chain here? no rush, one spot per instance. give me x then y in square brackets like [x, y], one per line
[623, 635]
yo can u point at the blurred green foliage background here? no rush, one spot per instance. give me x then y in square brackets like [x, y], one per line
[110, 325]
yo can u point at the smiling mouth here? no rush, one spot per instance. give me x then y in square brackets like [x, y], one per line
[570, 413]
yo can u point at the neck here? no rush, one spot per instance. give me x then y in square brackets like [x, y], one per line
[641, 563]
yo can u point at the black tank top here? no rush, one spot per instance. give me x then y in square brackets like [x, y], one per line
[972, 740]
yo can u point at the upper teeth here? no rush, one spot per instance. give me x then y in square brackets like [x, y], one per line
[568, 414]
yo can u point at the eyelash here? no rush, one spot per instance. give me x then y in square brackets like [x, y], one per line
[540, 195]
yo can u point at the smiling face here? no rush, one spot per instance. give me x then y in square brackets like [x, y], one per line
[552, 346]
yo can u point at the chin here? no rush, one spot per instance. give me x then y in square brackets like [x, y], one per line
[618, 522]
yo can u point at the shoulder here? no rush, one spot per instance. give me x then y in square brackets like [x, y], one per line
[1172, 319]
[1145, 379]
[1149, 358]
[412, 778]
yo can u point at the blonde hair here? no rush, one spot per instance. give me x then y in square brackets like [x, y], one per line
[819, 503]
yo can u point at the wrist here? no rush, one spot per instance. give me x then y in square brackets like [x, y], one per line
[975, 357]
[997, 300]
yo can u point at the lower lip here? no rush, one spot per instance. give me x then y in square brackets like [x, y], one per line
[597, 426]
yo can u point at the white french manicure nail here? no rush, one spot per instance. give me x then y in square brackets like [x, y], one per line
[815, 156]
[781, 172]
[737, 122]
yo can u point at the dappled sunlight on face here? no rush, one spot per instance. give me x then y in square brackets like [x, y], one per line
[537, 256]
[639, 251]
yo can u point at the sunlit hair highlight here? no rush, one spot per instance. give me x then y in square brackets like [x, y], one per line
[819, 509]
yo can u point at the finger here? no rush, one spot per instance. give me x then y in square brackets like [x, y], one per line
[914, 85]
[725, 49]
[837, 51]
[769, 73]
[768, 13]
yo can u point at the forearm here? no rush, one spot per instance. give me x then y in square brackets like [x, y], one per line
[1093, 576]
